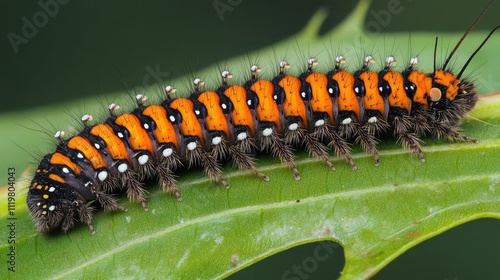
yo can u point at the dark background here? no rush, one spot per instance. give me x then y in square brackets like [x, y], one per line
[88, 47]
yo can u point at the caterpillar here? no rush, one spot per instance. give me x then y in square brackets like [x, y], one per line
[315, 110]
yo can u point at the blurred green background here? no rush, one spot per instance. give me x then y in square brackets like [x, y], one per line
[88, 47]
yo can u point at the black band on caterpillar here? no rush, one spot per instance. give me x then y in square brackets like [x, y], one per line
[318, 111]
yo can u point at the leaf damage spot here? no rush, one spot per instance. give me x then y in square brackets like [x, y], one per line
[183, 258]
[412, 234]
[434, 209]
[234, 260]
[219, 240]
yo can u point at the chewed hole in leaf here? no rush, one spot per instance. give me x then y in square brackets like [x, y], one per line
[468, 251]
[317, 260]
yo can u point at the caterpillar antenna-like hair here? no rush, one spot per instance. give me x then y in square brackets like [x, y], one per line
[476, 51]
[466, 33]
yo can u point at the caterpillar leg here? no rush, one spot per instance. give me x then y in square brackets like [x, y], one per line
[443, 130]
[245, 161]
[375, 126]
[312, 145]
[135, 189]
[208, 162]
[405, 135]
[335, 142]
[167, 181]
[238, 156]
[270, 139]
[368, 141]
[108, 202]
[84, 214]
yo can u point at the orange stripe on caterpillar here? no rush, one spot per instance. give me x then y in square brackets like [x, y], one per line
[215, 119]
[59, 159]
[164, 131]
[88, 151]
[138, 137]
[293, 104]
[115, 145]
[190, 124]
[242, 114]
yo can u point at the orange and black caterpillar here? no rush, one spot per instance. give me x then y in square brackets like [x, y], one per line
[315, 110]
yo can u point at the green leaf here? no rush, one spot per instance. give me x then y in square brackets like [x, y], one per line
[375, 213]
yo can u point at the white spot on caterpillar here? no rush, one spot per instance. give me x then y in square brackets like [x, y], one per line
[52, 208]
[59, 134]
[87, 118]
[143, 159]
[167, 152]
[242, 136]
[122, 167]
[267, 131]
[141, 98]
[255, 69]
[390, 60]
[372, 120]
[44, 212]
[113, 107]
[216, 140]
[284, 64]
[198, 82]
[339, 59]
[191, 146]
[293, 126]
[347, 121]
[225, 74]
[413, 61]
[312, 61]
[319, 123]
[52, 189]
[102, 175]
[169, 89]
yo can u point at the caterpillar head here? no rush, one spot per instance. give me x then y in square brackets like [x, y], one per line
[449, 98]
